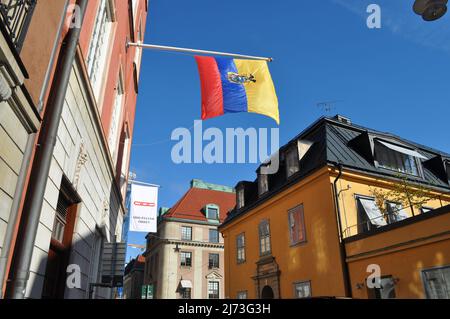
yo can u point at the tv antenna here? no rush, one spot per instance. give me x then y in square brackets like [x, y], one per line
[327, 106]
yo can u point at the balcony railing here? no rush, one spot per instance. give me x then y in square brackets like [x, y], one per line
[16, 15]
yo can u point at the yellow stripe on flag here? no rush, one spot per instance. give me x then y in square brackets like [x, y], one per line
[261, 95]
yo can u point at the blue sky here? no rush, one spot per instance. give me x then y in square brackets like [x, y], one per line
[392, 79]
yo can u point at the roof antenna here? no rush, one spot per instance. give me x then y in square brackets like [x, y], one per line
[327, 106]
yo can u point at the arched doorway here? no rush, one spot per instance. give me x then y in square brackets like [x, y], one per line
[267, 293]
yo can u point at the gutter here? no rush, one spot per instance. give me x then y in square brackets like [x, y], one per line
[342, 251]
[20, 186]
[42, 160]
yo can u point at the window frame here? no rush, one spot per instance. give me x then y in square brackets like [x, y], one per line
[422, 274]
[375, 293]
[417, 163]
[240, 248]
[190, 232]
[209, 235]
[213, 282]
[267, 239]
[291, 154]
[105, 31]
[212, 206]
[185, 258]
[213, 265]
[242, 293]
[302, 282]
[300, 209]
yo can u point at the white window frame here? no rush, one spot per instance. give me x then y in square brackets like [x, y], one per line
[218, 288]
[116, 119]
[99, 47]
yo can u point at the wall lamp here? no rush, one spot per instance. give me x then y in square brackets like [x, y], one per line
[430, 10]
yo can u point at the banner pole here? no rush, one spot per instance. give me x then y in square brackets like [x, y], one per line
[195, 51]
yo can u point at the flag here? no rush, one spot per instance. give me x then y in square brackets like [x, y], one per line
[236, 85]
[143, 208]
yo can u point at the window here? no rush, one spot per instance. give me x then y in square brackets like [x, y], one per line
[212, 213]
[213, 236]
[240, 248]
[242, 295]
[447, 168]
[186, 259]
[186, 233]
[396, 158]
[264, 238]
[263, 183]
[437, 282]
[302, 289]
[395, 212]
[98, 48]
[369, 215]
[296, 225]
[186, 293]
[213, 290]
[113, 136]
[292, 163]
[213, 261]
[59, 225]
[240, 198]
[386, 289]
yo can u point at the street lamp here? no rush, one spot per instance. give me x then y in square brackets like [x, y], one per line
[430, 10]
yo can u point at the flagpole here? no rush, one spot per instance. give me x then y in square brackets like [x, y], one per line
[186, 50]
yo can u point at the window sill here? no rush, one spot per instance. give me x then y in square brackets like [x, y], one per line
[300, 243]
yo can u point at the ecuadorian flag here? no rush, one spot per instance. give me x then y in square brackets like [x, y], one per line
[234, 85]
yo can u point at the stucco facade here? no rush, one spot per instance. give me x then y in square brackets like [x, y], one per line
[343, 238]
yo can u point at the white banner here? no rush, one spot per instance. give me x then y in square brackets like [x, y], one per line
[143, 208]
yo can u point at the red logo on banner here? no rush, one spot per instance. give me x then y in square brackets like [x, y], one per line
[144, 204]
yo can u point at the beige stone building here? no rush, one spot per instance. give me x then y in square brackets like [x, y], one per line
[185, 258]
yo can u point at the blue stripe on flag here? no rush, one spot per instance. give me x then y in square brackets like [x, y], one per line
[234, 95]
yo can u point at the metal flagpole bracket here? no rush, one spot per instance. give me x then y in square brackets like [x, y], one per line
[195, 51]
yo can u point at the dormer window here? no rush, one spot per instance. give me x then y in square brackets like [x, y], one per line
[212, 212]
[447, 168]
[263, 183]
[397, 158]
[240, 202]
[292, 163]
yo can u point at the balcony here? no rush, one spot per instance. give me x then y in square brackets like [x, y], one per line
[15, 16]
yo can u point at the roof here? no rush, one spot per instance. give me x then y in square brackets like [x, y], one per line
[337, 140]
[137, 263]
[191, 205]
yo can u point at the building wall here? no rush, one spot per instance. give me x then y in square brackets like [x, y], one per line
[361, 184]
[83, 134]
[169, 272]
[314, 260]
[94, 182]
[402, 253]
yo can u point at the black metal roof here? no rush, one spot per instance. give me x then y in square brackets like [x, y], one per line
[337, 141]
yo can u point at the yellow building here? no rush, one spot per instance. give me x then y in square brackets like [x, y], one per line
[289, 237]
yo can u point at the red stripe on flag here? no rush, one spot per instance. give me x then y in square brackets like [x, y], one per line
[211, 84]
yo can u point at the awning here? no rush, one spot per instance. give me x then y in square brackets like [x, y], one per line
[186, 284]
[373, 212]
[403, 150]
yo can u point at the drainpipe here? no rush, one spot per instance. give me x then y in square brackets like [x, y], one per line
[42, 160]
[343, 252]
[18, 193]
